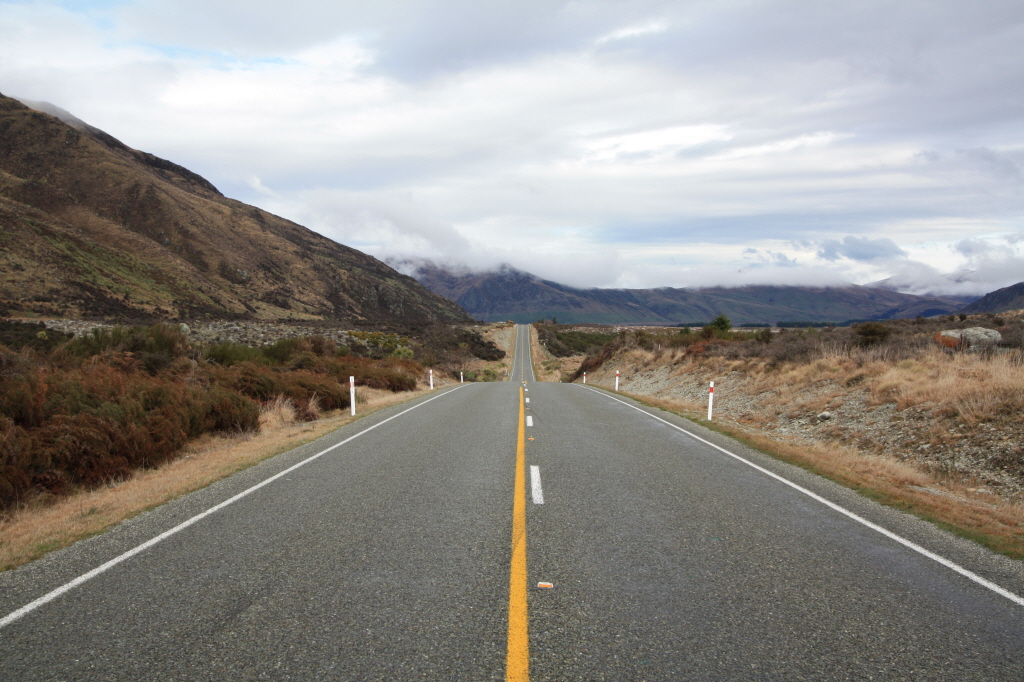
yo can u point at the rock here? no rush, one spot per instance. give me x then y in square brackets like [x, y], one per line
[971, 338]
[824, 416]
[185, 329]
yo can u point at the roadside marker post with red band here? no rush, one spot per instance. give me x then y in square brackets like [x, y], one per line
[711, 399]
[352, 394]
[616, 380]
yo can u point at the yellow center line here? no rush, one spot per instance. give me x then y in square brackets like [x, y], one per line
[517, 661]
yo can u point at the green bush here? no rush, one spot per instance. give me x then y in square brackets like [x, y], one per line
[282, 351]
[721, 324]
[871, 333]
[230, 353]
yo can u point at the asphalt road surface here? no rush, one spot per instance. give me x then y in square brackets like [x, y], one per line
[385, 552]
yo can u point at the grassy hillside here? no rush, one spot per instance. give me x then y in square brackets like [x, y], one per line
[90, 227]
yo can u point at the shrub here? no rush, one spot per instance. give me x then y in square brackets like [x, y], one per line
[791, 347]
[230, 353]
[34, 335]
[567, 342]
[307, 360]
[219, 408]
[721, 324]
[321, 345]
[682, 339]
[310, 392]
[250, 379]
[871, 333]
[164, 339]
[282, 351]
[129, 397]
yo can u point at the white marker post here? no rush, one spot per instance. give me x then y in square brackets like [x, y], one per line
[584, 377]
[462, 380]
[616, 380]
[431, 380]
[711, 399]
[352, 394]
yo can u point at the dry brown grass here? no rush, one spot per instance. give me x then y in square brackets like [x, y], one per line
[32, 531]
[957, 504]
[976, 388]
[973, 387]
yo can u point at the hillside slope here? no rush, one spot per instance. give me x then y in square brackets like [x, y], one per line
[998, 301]
[510, 294]
[91, 227]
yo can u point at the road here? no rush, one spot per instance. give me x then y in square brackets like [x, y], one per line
[387, 551]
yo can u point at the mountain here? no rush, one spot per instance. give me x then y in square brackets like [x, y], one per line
[510, 294]
[998, 301]
[91, 227]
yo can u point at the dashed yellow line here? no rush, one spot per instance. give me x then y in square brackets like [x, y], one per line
[517, 660]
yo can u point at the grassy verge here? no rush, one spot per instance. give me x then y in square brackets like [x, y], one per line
[956, 505]
[30, 532]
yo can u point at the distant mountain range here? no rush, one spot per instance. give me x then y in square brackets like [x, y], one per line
[90, 227]
[999, 301]
[510, 294]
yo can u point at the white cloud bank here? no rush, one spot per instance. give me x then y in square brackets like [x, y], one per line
[594, 143]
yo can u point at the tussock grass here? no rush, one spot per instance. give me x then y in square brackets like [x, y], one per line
[975, 388]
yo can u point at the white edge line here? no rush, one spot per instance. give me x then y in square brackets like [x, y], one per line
[103, 568]
[535, 489]
[846, 512]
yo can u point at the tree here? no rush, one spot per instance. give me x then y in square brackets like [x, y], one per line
[721, 324]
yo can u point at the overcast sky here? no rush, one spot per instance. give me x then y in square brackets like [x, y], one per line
[596, 143]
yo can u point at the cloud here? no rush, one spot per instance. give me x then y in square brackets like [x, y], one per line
[859, 249]
[630, 32]
[257, 184]
[648, 142]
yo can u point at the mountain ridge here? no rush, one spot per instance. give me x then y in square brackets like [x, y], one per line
[92, 227]
[998, 301]
[507, 293]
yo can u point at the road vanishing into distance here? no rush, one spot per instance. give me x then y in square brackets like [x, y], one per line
[517, 530]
